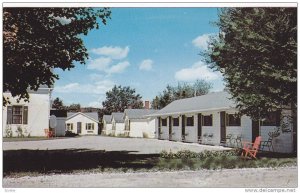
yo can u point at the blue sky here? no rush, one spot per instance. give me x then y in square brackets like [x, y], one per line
[144, 48]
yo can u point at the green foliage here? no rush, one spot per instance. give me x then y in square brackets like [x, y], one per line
[216, 160]
[58, 104]
[8, 131]
[20, 131]
[256, 51]
[181, 91]
[74, 108]
[37, 40]
[120, 98]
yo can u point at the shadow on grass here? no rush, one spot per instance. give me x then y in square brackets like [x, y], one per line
[276, 155]
[68, 160]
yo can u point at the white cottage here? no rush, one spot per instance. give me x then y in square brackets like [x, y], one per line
[137, 124]
[27, 118]
[83, 123]
[211, 118]
[118, 127]
[107, 125]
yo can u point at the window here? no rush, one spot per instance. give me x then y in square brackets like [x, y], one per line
[190, 121]
[233, 120]
[89, 126]
[17, 115]
[69, 126]
[272, 119]
[163, 122]
[175, 121]
[207, 120]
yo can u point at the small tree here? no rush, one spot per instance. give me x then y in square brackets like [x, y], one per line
[58, 104]
[120, 98]
[181, 91]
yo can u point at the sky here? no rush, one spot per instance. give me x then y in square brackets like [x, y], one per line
[144, 48]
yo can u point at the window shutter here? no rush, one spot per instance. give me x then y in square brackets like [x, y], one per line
[86, 126]
[25, 115]
[93, 126]
[9, 115]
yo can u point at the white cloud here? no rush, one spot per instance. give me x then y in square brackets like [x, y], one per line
[202, 41]
[99, 87]
[146, 65]
[63, 20]
[198, 71]
[100, 64]
[118, 68]
[112, 52]
[96, 104]
[96, 77]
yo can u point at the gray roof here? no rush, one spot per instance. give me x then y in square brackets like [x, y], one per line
[138, 113]
[107, 118]
[209, 102]
[119, 117]
[93, 115]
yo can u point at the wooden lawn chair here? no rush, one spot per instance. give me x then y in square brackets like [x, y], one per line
[250, 149]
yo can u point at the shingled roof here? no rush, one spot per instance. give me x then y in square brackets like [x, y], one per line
[107, 118]
[208, 102]
[119, 117]
[138, 113]
[92, 115]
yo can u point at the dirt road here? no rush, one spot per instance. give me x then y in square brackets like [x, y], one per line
[242, 178]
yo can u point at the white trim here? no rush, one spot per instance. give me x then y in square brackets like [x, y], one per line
[190, 112]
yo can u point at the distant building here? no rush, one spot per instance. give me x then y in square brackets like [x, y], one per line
[107, 125]
[83, 123]
[137, 124]
[27, 118]
[118, 127]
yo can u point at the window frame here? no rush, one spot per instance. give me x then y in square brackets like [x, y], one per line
[22, 115]
[70, 126]
[275, 123]
[164, 121]
[204, 123]
[90, 126]
[234, 117]
[177, 121]
[189, 123]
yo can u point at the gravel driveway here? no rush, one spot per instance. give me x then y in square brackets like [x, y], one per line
[135, 145]
[234, 178]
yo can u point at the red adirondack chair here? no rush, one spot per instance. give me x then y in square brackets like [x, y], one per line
[250, 149]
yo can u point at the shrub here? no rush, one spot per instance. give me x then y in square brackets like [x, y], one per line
[145, 135]
[8, 131]
[70, 134]
[20, 131]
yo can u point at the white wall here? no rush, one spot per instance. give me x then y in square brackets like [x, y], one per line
[60, 129]
[176, 130]
[38, 114]
[192, 131]
[140, 126]
[120, 129]
[83, 119]
[164, 129]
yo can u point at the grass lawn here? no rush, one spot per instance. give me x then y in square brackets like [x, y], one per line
[37, 162]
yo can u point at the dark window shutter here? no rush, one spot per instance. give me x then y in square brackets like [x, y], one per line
[25, 115]
[9, 115]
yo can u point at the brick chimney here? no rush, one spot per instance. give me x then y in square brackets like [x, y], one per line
[147, 105]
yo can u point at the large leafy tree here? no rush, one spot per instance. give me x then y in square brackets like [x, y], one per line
[37, 40]
[120, 98]
[256, 51]
[181, 91]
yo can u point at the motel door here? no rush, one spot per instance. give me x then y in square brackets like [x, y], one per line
[255, 129]
[78, 127]
[223, 125]
[199, 125]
